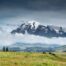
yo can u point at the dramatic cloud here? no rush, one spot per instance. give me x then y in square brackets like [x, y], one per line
[7, 39]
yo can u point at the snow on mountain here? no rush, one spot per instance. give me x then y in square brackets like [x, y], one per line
[35, 28]
[34, 23]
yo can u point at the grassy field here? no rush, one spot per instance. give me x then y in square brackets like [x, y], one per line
[32, 59]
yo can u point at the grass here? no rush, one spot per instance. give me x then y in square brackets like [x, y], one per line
[31, 59]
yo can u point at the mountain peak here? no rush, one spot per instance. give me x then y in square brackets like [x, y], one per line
[34, 23]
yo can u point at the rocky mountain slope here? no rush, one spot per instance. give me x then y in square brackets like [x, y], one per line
[35, 28]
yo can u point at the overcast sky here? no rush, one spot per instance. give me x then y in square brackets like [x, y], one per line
[45, 11]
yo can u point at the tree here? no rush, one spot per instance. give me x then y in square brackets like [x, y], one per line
[4, 49]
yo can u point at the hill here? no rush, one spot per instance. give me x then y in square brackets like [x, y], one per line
[61, 48]
[36, 47]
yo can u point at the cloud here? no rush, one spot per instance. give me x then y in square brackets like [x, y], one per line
[37, 39]
[7, 39]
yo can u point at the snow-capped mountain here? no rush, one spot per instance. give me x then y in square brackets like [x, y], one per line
[36, 28]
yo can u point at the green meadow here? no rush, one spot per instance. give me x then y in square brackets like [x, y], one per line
[32, 59]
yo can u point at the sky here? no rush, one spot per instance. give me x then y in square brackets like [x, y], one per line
[51, 12]
[15, 12]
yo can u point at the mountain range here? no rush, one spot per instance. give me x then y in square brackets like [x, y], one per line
[37, 29]
[61, 48]
[36, 47]
[34, 28]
